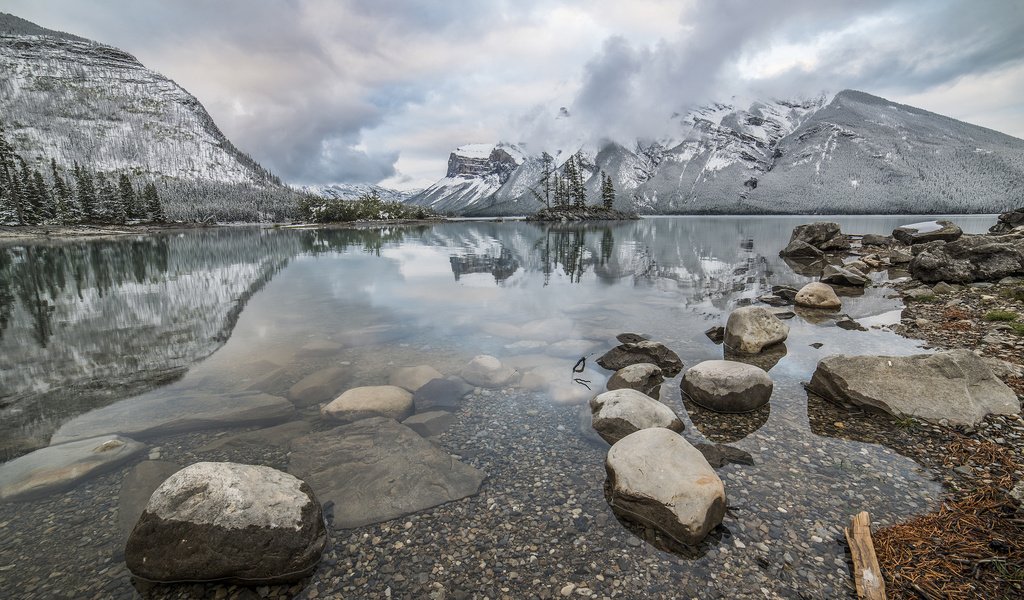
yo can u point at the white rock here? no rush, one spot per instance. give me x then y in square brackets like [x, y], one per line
[618, 413]
[370, 401]
[751, 329]
[487, 371]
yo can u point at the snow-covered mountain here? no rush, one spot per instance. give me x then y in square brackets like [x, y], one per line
[475, 173]
[75, 100]
[851, 153]
[352, 191]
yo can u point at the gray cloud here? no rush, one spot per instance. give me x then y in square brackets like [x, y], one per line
[362, 90]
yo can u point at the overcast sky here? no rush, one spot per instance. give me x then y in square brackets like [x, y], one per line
[323, 91]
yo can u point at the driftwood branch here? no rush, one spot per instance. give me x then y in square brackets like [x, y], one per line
[867, 575]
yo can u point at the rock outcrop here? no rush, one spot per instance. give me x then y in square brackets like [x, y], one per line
[1008, 221]
[927, 231]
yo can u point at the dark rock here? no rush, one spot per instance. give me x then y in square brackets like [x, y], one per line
[631, 338]
[844, 276]
[642, 352]
[719, 455]
[716, 334]
[228, 522]
[970, 258]
[773, 300]
[927, 231]
[441, 394]
[815, 234]
[801, 249]
[430, 423]
[785, 291]
[845, 322]
[872, 239]
[642, 377]
[1008, 221]
[138, 485]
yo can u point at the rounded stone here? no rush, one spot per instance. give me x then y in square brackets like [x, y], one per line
[619, 413]
[370, 401]
[642, 377]
[413, 378]
[751, 329]
[228, 522]
[818, 295]
[727, 386]
[657, 478]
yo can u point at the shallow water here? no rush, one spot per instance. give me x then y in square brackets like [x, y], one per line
[92, 331]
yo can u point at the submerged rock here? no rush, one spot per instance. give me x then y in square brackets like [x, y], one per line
[644, 351]
[716, 334]
[751, 329]
[62, 467]
[158, 415]
[317, 387]
[369, 401]
[727, 386]
[138, 485]
[487, 371]
[719, 455]
[955, 385]
[619, 413]
[430, 423]
[227, 521]
[444, 394]
[377, 469]
[655, 477]
[413, 378]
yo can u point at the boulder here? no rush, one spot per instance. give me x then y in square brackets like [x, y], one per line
[955, 385]
[413, 378]
[644, 351]
[844, 276]
[444, 394]
[1007, 221]
[872, 239]
[786, 292]
[971, 258]
[228, 522]
[369, 401]
[642, 377]
[631, 338]
[151, 416]
[430, 423]
[318, 387]
[927, 231]
[487, 371]
[816, 234]
[619, 413]
[727, 386]
[818, 295]
[377, 469]
[138, 485]
[751, 329]
[656, 478]
[801, 249]
[716, 334]
[62, 467]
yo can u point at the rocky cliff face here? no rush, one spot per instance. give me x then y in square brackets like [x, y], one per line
[475, 173]
[852, 153]
[76, 100]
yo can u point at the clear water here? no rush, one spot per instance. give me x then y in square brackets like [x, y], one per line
[100, 325]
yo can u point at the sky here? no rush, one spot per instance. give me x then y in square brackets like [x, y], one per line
[380, 91]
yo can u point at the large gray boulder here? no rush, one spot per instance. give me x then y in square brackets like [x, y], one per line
[227, 521]
[818, 295]
[642, 377]
[319, 386]
[801, 249]
[727, 386]
[487, 371]
[644, 351]
[369, 401]
[1008, 221]
[927, 231]
[619, 413]
[821, 234]
[657, 478]
[970, 258]
[751, 329]
[62, 467]
[844, 276]
[154, 416]
[378, 469]
[955, 385]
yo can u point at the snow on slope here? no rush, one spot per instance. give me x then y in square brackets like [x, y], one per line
[352, 191]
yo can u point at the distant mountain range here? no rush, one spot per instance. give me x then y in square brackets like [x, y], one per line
[352, 191]
[851, 153]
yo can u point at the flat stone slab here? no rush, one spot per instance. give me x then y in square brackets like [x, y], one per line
[444, 394]
[161, 415]
[278, 435]
[321, 386]
[955, 385]
[431, 423]
[413, 378]
[62, 467]
[369, 401]
[377, 469]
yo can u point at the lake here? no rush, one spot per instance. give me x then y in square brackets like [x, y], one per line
[97, 336]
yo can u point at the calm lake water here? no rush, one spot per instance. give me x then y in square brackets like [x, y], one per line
[89, 331]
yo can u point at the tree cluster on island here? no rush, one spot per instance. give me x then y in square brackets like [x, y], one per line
[27, 198]
[565, 193]
[368, 206]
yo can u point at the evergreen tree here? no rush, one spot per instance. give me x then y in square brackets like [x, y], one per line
[154, 210]
[546, 173]
[45, 208]
[65, 208]
[607, 190]
[86, 192]
[127, 196]
[25, 200]
[111, 209]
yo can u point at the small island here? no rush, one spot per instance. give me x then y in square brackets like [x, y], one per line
[581, 213]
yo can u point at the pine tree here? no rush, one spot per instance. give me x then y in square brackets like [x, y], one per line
[26, 200]
[127, 195]
[45, 208]
[546, 173]
[607, 190]
[111, 209]
[86, 192]
[154, 210]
